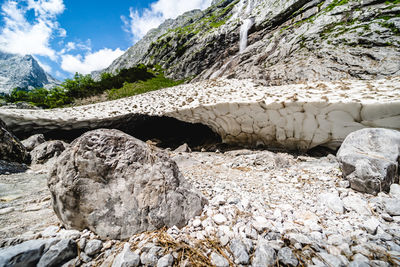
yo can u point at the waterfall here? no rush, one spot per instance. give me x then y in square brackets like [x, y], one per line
[246, 25]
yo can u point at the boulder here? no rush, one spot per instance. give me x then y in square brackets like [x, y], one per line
[11, 167]
[33, 141]
[58, 254]
[11, 149]
[116, 186]
[46, 151]
[369, 159]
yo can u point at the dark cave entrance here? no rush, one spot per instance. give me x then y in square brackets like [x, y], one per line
[166, 132]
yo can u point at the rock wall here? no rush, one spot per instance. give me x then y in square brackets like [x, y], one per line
[297, 116]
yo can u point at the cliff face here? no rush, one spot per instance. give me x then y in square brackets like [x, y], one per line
[276, 41]
[23, 72]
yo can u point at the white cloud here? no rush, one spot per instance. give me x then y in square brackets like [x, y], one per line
[91, 62]
[19, 36]
[139, 23]
[45, 66]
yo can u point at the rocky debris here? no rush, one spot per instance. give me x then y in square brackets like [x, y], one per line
[93, 247]
[183, 148]
[369, 159]
[297, 116]
[22, 72]
[47, 150]
[135, 187]
[11, 149]
[33, 141]
[273, 213]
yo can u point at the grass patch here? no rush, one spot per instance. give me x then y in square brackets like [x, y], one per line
[141, 87]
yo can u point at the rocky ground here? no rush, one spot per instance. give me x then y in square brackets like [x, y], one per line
[264, 209]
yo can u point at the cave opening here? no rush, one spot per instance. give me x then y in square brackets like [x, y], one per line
[165, 132]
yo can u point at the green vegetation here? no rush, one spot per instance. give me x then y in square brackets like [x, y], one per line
[131, 89]
[133, 81]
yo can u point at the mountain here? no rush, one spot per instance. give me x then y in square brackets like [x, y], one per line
[276, 41]
[22, 72]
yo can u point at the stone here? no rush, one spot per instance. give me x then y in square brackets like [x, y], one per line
[287, 258]
[25, 254]
[46, 151]
[151, 257]
[11, 149]
[93, 247]
[332, 201]
[33, 141]
[392, 206]
[260, 224]
[371, 225]
[6, 210]
[183, 148]
[11, 167]
[219, 219]
[264, 255]
[355, 203]
[59, 254]
[218, 260]
[135, 187]
[395, 191]
[331, 260]
[50, 231]
[166, 261]
[126, 258]
[239, 251]
[369, 159]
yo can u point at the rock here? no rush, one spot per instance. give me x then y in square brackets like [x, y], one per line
[331, 260]
[11, 149]
[355, 203]
[218, 260]
[264, 255]
[6, 210]
[369, 159]
[151, 257]
[11, 167]
[50, 231]
[68, 234]
[260, 224]
[165, 261]
[25, 254]
[93, 247]
[118, 186]
[59, 254]
[219, 219]
[395, 191]
[47, 150]
[239, 252]
[183, 148]
[392, 206]
[332, 201]
[33, 141]
[126, 258]
[371, 225]
[286, 257]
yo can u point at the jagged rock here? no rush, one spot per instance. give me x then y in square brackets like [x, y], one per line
[264, 255]
[26, 254]
[117, 186]
[369, 159]
[22, 72]
[165, 261]
[93, 247]
[218, 260]
[46, 151]
[126, 258]
[287, 258]
[239, 252]
[33, 141]
[11, 149]
[288, 41]
[59, 254]
[183, 148]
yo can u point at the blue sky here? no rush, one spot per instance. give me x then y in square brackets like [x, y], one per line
[68, 36]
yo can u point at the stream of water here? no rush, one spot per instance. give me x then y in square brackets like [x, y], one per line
[246, 25]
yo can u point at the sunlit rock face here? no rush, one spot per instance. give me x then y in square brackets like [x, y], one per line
[297, 116]
[275, 42]
[22, 72]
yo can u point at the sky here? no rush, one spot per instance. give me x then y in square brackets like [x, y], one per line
[68, 36]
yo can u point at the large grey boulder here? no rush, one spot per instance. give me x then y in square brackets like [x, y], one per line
[33, 141]
[118, 186]
[46, 151]
[369, 159]
[58, 254]
[11, 149]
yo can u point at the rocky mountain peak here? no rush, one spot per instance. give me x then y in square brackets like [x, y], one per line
[22, 72]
